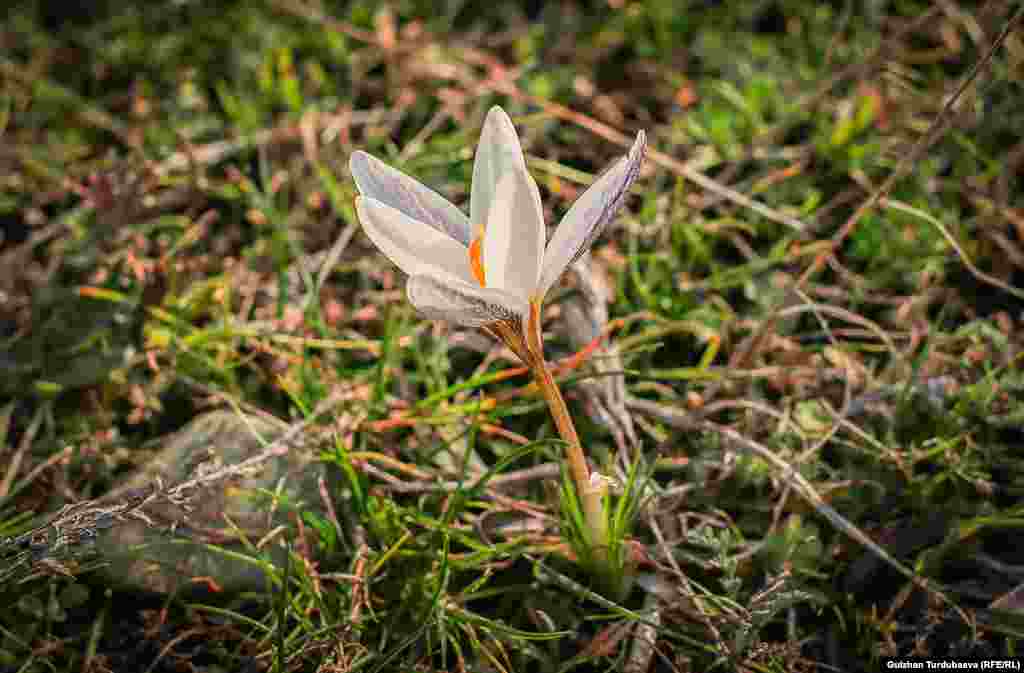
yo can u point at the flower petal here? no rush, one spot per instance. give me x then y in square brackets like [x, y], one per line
[590, 213]
[377, 180]
[497, 153]
[415, 247]
[513, 245]
[444, 297]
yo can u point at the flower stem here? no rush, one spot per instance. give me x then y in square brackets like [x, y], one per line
[590, 495]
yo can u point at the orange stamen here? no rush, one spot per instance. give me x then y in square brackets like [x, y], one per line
[476, 257]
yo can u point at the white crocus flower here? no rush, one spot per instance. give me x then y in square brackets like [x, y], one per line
[493, 268]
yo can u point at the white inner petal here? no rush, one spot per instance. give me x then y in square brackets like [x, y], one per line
[514, 239]
[413, 246]
[497, 153]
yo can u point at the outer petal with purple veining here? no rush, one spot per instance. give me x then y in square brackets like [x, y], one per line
[443, 297]
[589, 215]
[376, 180]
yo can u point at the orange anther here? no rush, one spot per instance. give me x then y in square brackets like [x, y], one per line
[476, 258]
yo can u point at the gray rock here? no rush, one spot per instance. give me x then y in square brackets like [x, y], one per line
[217, 538]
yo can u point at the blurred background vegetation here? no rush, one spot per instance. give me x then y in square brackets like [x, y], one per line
[178, 237]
